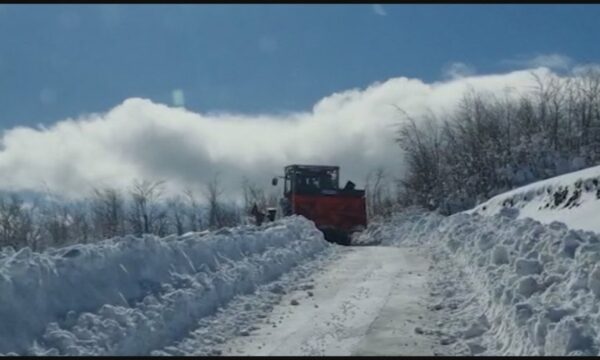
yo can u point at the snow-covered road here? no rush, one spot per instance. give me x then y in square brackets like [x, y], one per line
[420, 284]
[368, 301]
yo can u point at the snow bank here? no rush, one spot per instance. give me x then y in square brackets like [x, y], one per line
[417, 223]
[128, 296]
[573, 198]
[533, 288]
[246, 313]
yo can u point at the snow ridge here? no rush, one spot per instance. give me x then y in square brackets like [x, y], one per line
[534, 287]
[128, 296]
[572, 198]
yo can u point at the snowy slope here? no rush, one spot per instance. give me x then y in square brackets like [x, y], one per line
[507, 286]
[129, 296]
[573, 199]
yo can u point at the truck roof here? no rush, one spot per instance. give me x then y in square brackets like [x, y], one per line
[313, 167]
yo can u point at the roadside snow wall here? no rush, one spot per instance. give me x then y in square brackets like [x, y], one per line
[537, 285]
[130, 295]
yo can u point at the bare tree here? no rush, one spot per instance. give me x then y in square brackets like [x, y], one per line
[81, 223]
[219, 213]
[17, 228]
[56, 223]
[177, 214]
[108, 213]
[212, 194]
[146, 216]
[486, 146]
[378, 193]
[254, 195]
[193, 212]
[422, 146]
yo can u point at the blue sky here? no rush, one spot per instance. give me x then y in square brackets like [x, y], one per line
[59, 61]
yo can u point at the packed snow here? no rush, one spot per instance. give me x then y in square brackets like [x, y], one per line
[573, 199]
[365, 301]
[132, 296]
[506, 286]
[505, 278]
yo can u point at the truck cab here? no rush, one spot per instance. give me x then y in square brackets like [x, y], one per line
[313, 191]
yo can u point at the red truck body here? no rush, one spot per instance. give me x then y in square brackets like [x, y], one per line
[337, 211]
[313, 191]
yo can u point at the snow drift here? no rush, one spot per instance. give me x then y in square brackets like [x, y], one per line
[573, 198]
[128, 296]
[520, 288]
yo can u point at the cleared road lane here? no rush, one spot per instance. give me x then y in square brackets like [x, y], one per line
[369, 301]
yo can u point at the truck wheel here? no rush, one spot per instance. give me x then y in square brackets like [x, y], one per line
[336, 236]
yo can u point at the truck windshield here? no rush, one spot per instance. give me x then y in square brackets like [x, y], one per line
[315, 182]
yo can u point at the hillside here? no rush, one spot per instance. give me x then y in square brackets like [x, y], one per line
[573, 199]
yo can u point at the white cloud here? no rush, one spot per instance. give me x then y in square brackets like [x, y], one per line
[458, 70]
[550, 61]
[141, 139]
[379, 10]
[178, 98]
[584, 68]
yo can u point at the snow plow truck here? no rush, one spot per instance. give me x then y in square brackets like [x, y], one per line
[313, 191]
